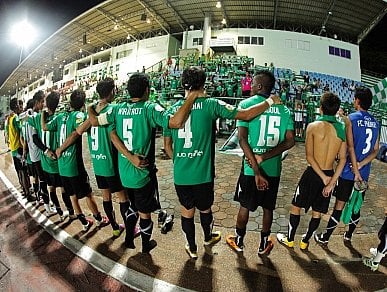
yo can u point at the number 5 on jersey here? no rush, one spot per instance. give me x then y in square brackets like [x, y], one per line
[127, 135]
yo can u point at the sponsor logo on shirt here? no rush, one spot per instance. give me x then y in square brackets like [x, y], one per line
[196, 153]
[99, 156]
[66, 154]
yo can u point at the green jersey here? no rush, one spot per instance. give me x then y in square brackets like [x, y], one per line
[48, 139]
[174, 84]
[101, 149]
[135, 124]
[193, 146]
[70, 162]
[265, 132]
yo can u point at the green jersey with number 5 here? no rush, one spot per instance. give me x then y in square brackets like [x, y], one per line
[70, 162]
[265, 132]
[135, 124]
[101, 148]
[194, 145]
[48, 139]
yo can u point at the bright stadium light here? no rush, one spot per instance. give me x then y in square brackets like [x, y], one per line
[23, 34]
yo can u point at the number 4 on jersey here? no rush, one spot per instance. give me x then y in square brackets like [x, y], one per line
[186, 133]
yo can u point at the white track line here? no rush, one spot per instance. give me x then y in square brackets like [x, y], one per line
[129, 277]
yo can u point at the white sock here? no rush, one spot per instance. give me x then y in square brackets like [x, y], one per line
[378, 257]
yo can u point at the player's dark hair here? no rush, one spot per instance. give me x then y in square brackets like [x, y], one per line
[30, 104]
[266, 79]
[193, 78]
[105, 87]
[13, 104]
[137, 85]
[77, 99]
[52, 100]
[364, 95]
[330, 103]
[38, 96]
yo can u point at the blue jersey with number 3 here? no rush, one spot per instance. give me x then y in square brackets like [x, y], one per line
[365, 131]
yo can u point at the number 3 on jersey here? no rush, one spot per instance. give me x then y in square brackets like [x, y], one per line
[186, 133]
[127, 126]
[367, 141]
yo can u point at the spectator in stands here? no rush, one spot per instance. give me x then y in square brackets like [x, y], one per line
[298, 92]
[352, 87]
[298, 120]
[326, 88]
[177, 63]
[143, 69]
[169, 63]
[344, 83]
[306, 78]
[246, 84]
[271, 67]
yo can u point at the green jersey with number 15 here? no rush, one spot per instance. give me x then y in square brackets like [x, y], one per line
[265, 132]
[135, 124]
[193, 146]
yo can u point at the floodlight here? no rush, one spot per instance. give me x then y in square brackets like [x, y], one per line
[23, 34]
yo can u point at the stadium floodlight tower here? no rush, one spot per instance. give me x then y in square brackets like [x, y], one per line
[22, 34]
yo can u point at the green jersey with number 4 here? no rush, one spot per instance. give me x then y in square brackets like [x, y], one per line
[193, 146]
[265, 132]
[48, 139]
[101, 148]
[70, 162]
[135, 124]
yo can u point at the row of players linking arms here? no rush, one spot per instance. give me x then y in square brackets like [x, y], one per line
[121, 140]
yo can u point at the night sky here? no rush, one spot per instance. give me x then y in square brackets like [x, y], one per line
[47, 16]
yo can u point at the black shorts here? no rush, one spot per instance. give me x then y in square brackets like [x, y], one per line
[309, 192]
[250, 197]
[17, 161]
[200, 196]
[31, 170]
[113, 183]
[77, 185]
[146, 199]
[53, 179]
[343, 190]
[298, 124]
[38, 170]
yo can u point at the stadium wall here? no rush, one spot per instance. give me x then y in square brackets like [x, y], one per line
[297, 51]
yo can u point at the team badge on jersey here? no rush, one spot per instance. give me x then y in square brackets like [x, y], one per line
[229, 107]
[79, 118]
[159, 108]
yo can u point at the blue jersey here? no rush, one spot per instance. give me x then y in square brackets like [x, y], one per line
[365, 131]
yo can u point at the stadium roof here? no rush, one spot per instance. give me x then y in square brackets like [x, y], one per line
[115, 22]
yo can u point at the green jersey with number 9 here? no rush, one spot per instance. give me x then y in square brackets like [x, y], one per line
[194, 145]
[265, 132]
[101, 148]
[71, 161]
[135, 124]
